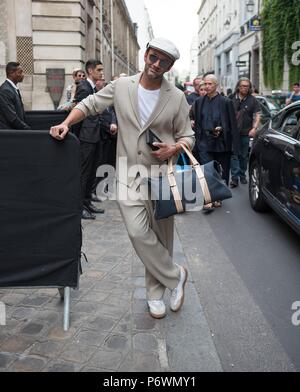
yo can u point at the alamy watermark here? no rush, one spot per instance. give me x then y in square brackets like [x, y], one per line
[131, 182]
[2, 313]
[296, 314]
[296, 55]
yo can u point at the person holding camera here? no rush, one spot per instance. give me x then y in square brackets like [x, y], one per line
[215, 128]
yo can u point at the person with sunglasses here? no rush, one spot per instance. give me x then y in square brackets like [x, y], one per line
[78, 75]
[142, 102]
[198, 84]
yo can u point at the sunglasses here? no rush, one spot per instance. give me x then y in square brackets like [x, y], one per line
[81, 76]
[165, 64]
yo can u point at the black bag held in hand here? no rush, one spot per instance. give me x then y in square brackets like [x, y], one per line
[179, 191]
[152, 138]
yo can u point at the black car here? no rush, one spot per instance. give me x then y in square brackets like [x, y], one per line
[268, 108]
[274, 166]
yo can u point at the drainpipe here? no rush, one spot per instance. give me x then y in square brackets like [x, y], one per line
[112, 38]
[250, 65]
[128, 52]
[101, 31]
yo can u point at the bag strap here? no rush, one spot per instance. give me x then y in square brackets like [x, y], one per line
[200, 175]
[174, 187]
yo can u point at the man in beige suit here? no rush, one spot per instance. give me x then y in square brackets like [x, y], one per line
[141, 102]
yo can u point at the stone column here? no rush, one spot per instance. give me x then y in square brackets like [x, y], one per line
[24, 47]
[3, 40]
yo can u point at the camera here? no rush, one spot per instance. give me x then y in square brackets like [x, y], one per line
[217, 131]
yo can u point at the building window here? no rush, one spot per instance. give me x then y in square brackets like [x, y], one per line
[228, 60]
[219, 70]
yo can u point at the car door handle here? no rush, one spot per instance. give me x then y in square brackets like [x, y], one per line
[288, 155]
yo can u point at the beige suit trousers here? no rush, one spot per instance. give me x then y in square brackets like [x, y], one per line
[153, 242]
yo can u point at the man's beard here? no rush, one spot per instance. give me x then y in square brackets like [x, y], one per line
[152, 75]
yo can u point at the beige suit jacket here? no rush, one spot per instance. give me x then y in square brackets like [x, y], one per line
[169, 121]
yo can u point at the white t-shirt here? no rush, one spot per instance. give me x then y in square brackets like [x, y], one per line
[147, 102]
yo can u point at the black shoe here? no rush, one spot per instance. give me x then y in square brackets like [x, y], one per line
[94, 209]
[86, 214]
[244, 181]
[234, 184]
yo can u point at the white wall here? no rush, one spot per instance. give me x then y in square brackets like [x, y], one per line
[194, 59]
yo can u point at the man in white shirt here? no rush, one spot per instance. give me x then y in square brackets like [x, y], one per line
[143, 101]
[12, 114]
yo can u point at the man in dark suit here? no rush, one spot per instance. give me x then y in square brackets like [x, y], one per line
[12, 114]
[89, 136]
[215, 128]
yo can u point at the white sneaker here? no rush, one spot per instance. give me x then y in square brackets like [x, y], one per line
[177, 294]
[157, 308]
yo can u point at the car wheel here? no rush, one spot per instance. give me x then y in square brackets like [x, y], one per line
[255, 193]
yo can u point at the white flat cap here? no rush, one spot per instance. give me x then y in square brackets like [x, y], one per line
[165, 46]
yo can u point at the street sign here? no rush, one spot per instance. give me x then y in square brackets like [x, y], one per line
[255, 23]
[241, 63]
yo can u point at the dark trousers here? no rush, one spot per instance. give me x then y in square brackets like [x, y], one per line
[107, 156]
[239, 163]
[223, 158]
[89, 153]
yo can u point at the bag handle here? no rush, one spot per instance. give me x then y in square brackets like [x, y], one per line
[199, 172]
[174, 187]
[200, 175]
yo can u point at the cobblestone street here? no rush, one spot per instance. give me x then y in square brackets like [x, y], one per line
[110, 327]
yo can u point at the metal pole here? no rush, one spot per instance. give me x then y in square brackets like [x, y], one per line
[128, 52]
[67, 297]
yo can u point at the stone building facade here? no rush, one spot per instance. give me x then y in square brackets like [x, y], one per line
[51, 34]
[228, 45]
[207, 36]
[3, 39]
[139, 14]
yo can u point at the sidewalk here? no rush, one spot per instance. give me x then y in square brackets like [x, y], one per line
[110, 327]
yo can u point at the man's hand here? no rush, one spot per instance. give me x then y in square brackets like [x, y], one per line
[113, 129]
[252, 132]
[165, 151]
[289, 100]
[59, 132]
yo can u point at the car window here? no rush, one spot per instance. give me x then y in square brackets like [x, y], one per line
[277, 121]
[265, 115]
[267, 103]
[262, 102]
[264, 109]
[271, 106]
[291, 124]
